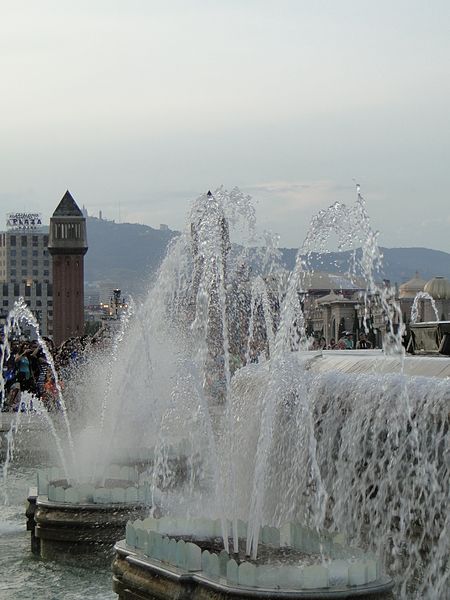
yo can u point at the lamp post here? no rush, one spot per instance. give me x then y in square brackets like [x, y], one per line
[115, 302]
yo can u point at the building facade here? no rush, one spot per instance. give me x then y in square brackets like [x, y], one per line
[67, 246]
[26, 271]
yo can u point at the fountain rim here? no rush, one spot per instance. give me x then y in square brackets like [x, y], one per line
[43, 500]
[381, 585]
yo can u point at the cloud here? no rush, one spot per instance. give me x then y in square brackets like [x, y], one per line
[289, 197]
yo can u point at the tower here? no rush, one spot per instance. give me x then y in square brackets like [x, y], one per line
[67, 246]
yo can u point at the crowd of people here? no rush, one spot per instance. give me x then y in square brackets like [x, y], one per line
[345, 342]
[27, 368]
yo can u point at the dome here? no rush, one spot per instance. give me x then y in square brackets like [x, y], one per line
[438, 288]
[410, 288]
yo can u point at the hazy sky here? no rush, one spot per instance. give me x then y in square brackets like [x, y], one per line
[138, 106]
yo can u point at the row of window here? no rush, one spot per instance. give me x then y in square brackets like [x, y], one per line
[25, 262]
[24, 272]
[38, 287]
[23, 253]
[38, 303]
[13, 240]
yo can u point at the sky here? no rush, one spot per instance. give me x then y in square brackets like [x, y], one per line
[139, 106]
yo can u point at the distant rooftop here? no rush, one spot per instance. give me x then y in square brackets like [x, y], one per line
[67, 207]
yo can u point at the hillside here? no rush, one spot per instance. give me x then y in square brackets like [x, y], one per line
[399, 264]
[128, 254]
[124, 253]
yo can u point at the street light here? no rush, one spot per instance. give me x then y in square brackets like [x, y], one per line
[116, 303]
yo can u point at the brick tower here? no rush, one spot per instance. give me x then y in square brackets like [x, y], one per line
[68, 244]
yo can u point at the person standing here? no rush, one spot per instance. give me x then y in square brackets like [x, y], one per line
[24, 373]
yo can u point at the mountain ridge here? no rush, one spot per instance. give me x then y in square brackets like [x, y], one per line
[127, 254]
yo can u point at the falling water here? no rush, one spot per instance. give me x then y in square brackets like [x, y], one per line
[416, 305]
[278, 439]
[19, 313]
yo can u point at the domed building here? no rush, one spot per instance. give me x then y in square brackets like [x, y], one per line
[407, 292]
[410, 288]
[439, 290]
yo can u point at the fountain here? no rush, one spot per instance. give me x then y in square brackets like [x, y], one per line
[306, 474]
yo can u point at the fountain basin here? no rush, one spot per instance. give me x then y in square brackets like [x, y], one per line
[138, 577]
[167, 558]
[62, 529]
[430, 338]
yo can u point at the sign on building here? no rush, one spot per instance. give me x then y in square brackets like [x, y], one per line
[23, 220]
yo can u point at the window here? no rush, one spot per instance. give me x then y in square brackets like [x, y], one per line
[46, 272]
[45, 253]
[13, 252]
[16, 289]
[35, 263]
[39, 289]
[45, 240]
[50, 303]
[12, 240]
[35, 253]
[24, 272]
[38, 302]
[24, 240]
[5, 289]
[24, 263]
[24, 253]
[28, 290]
[13, 272]
[46, 263]
[35, 240]
[5, 302]
[13, 262]
[35, 272]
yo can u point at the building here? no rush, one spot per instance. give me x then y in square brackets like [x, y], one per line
[439, 289]
[26, 268]
[406, 294]
[67, 246]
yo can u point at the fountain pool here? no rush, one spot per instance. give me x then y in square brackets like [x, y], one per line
[218, 356]
[25, 577]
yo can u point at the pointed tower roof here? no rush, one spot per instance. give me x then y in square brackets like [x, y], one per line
[67, 207]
